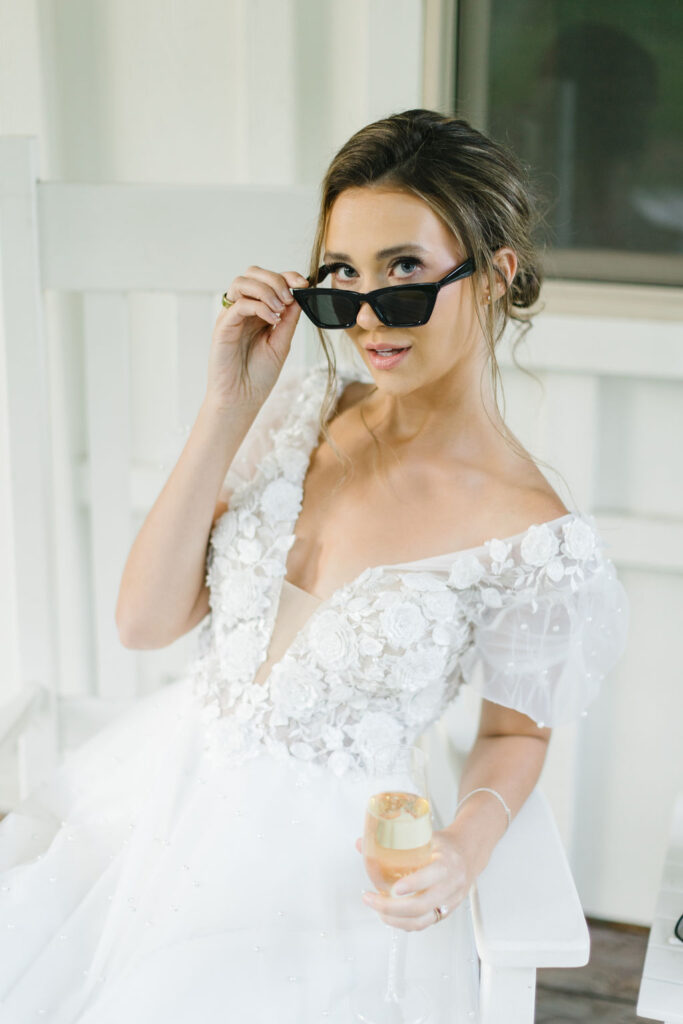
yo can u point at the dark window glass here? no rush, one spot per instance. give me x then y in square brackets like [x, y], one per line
[589, 94]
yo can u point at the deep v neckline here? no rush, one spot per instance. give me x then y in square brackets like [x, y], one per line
[343, 380]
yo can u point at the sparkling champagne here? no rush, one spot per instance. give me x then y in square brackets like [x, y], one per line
[398, 837]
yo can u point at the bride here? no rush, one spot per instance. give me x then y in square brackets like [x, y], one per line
[356, 547]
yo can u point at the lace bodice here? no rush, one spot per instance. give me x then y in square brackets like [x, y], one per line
[533, 621]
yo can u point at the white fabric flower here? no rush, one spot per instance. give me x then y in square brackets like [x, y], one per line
[225, 530]
[340, 761]
[579, 539]
[248, 524]
[403, 623]
[424, 705]
[249, 551]
[498, 549]
[244, 594]
[375, 729]
[422, 581]
[294, 687]
[292, 461]
[555, 569]
[491, 597]
[417, 667]
[451, 634]
[539, 545]
[281, 499]
[332, 736]
[442, 605]
[369, 646]
[334, 641]
[302, 750]
[465, 571]
[240, 651]
[257, 693]
[244, 711]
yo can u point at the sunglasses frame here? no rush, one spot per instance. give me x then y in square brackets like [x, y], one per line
[429, 288]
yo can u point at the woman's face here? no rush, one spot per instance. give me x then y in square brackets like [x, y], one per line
[362, 223]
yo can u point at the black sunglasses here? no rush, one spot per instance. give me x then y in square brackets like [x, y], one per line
[400, 305]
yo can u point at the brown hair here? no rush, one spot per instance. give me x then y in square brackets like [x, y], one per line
[475, 185]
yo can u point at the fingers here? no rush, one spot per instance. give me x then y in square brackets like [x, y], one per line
[271, 288]
[262, 293]
[243, 307]
[412, 913]
[294, 279]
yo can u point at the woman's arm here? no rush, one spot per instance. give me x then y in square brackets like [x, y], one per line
[164, 571]
[507, 756]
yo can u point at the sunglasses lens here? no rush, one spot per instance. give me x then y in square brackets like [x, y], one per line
[406, 307]
[336, 310]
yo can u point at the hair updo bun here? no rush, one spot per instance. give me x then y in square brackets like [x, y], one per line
[526, 287]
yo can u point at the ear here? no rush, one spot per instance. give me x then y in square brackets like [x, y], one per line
[505, 260]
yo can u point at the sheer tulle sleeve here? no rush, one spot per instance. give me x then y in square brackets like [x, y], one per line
[258, 439]
[545, 650]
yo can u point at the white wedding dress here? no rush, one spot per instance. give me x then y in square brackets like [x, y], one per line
[195, 860]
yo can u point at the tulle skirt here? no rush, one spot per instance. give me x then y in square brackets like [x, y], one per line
[145, 883]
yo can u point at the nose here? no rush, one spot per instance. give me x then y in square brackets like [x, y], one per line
[367, 318]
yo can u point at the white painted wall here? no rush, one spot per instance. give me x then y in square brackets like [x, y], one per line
[262, 92]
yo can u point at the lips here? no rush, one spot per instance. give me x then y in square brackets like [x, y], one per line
[379, 348]
[389, 359]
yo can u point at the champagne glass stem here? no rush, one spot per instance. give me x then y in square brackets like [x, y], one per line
[396, 967]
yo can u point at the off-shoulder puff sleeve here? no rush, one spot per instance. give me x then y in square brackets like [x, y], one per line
[258, 440]
[543, 649]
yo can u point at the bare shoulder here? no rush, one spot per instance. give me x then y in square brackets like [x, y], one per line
[522, 507]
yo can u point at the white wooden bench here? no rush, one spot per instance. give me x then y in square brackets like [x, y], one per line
[661, 987]
[107, 242]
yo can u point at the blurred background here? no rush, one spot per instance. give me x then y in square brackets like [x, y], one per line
[150, 152]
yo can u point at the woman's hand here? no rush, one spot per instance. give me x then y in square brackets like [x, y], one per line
[444, 882]
[258, 329]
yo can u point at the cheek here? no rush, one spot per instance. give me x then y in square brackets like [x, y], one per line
[455, 317]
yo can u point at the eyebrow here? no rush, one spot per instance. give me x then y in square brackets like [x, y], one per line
[382, 254]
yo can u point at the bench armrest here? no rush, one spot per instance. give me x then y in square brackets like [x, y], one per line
[526, 910]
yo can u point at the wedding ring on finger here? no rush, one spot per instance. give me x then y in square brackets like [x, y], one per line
[227, 302]
[440, 912]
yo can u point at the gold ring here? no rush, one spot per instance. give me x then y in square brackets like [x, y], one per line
[439, 913]
[228, 302]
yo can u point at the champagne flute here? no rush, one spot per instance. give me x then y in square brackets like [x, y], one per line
[397, 840]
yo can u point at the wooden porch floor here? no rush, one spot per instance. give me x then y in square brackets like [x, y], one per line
[606, 990]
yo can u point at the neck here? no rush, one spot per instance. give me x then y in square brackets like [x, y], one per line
[448, 413]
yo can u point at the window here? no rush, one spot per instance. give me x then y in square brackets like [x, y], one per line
[589, 94]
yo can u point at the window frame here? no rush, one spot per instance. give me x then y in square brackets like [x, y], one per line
[647, 284]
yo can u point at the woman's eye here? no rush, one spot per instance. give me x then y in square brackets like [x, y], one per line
[412, 260]
[335, 268]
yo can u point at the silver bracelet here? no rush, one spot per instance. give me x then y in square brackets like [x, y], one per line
[486, 789]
